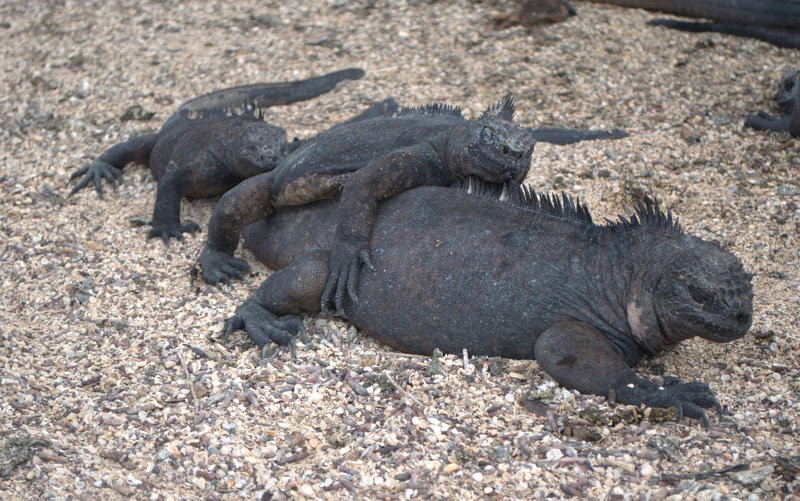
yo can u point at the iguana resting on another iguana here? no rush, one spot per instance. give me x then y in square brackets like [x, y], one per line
[788, 99]
[773, 21]
[528, 278]
[203, 150]
[369, 161]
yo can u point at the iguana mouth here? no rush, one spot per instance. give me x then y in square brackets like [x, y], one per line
[497, 168]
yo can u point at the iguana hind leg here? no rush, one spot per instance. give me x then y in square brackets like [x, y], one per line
[578, 356]
[268, 316]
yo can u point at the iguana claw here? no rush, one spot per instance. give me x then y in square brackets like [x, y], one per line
[345, 268]
[689, 399]
[96, 171]
[265, 328]
[167, 232]
[219, 267]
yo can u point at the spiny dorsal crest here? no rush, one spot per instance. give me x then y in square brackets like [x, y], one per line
[248, 110]
[524, 195]
[503, 109]
[431, 109]
[477, 186]
[649, 214]
[566, 206]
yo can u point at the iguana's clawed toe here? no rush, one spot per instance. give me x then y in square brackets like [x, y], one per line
[688, 399]
[345, 268]
[265, 328]
[165, 232]
[217, 267]
[95, 172]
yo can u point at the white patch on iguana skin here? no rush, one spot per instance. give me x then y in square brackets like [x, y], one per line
[647, 333]
[638, 327]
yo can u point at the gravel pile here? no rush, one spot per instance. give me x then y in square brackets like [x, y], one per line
[114, 383]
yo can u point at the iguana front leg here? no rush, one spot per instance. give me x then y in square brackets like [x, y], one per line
[387, 176]
[578, 356]
[203, 177]
[109, 164]
[245, 203]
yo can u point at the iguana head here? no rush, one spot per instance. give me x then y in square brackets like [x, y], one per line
[683, 286]
[492, 147]
[262, 146]
[788, 96]
[703, 291]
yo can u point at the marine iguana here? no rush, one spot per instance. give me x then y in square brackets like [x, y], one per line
[788, 99]
[533, 277]
[773, 21]
[204, 148]
[370, 161]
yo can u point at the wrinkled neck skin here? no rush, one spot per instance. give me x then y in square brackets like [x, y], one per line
[628, 276]
[652, 257]
[445, 144]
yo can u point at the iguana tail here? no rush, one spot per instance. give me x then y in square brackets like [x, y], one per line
[769, 13]
[557, 135]
[775, 36]
[264, 95]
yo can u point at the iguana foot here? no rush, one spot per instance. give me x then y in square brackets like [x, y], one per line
[264, 327]
[761, 121]
[345, 266]
[689, 399]
[216, 267]
[165, 232]
[96, 171]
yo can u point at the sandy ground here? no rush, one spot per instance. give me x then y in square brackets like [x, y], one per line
[110, 355]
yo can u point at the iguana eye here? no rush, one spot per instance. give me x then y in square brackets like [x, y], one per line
[487, 135]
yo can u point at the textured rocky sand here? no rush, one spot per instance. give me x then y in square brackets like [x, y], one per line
[109, 354]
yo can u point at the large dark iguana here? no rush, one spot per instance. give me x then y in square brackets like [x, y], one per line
[204, 149]
[788, 99]
[372, 160]
[528, 279]
[773, 21]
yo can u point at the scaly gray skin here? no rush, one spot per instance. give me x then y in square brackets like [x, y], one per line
[773, 21]
[534, 278]
[367, 162]
[788, 99]
[203, 150]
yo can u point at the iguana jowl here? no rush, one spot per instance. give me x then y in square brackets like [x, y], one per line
[531, 279]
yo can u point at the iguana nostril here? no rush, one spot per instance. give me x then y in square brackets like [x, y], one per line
[741, 316]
